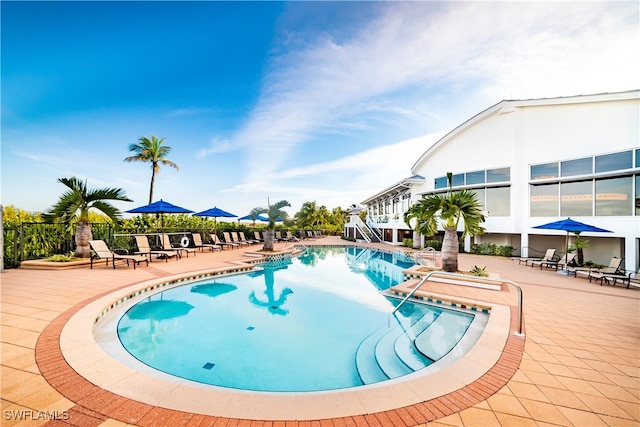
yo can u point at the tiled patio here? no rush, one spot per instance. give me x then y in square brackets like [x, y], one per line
[580, 365]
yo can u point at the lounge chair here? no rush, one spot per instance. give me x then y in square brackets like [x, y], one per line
[227, 238]
[599, 273]
[279, 237]
[292, 237]
[631, 279]
[548, 256]
[243, 238]
[144, 249]
[167, 246]
[215, 239]
[236, 239]
[257, 236]
[566, 260]
[102, 251]
[197, 242]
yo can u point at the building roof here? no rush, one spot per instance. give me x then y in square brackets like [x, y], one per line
[509, 106]
[398, 187]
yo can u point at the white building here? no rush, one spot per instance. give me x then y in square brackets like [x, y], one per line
[533, 162]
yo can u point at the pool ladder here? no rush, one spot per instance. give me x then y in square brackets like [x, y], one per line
[463, 276]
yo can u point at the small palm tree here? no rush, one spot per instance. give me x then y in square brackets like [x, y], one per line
[450, 208]
[274, 212]
[151, 150]
[77, 202]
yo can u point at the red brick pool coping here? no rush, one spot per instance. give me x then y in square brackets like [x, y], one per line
[94, 405]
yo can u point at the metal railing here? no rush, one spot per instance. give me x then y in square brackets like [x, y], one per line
[463, 276]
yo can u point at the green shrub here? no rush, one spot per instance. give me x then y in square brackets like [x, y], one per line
[435, 244]
[504, 250]
[407, 242]
[61, 258]
[479, 271]
[483, 249]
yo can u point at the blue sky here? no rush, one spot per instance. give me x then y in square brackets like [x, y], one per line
[324, 101]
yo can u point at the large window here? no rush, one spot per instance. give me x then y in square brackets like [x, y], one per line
[576, 198]
[475, 177]
[480, 192]
[544, 200]
[577, 167]
[498, 201]
[545, 171]
[614, 197]
[638, 193]
[499, 175]
[615, 161]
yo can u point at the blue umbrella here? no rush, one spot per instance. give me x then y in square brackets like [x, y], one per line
[215, 212]
[160, 207]
[249, 218]
[572, 226]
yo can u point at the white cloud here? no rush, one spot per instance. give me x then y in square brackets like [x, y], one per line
[217, 146]
[497, 50]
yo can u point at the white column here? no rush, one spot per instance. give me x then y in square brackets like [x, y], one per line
[524, 243]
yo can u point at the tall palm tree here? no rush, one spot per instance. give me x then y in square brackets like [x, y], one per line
[151, 150]
[76, 202]
[273, 213]
[449, 208]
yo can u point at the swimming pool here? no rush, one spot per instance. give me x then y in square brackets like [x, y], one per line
[316, 322]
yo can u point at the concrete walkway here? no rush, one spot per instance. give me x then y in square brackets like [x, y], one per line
[580, 365]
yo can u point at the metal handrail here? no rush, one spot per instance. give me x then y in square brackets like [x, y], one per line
[463, 276]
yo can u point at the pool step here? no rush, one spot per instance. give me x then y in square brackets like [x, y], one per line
[438, 339]
[390, 352]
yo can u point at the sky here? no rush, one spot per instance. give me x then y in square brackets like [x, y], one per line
[265, 101]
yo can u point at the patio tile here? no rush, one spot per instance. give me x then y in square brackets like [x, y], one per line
[603, 405]
[579, 365]
[545, 412]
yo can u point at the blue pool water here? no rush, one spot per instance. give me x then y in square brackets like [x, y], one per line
[316, 322]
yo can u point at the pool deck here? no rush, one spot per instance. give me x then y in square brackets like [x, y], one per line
[579, 366]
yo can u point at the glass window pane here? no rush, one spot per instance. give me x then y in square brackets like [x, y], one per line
[457, 180]
[613, 197]
[546, 171]
[544, 200]
[577, 167]
[638, 158]
[498, 201]
[615, 161]
[480, 192]
[577, 198]
[475, 177]
[498, 175]
[638, 194]
[441, 182]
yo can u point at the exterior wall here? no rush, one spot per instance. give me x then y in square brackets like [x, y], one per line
[518, 134]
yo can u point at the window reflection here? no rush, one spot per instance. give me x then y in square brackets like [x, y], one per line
[613, 196]
[475, 177]
[577, 198]
[498, 201]
[544, 200]
[545, 171]
[498, 175]
[615, 161]
[638, 193]
[577, 167]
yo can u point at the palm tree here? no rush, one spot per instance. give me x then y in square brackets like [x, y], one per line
[450, 208]
[151, 150]
[273, 213]
[76, 203]
[308, 215]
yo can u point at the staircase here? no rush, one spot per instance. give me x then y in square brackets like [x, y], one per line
[407, 344]
[369, 234]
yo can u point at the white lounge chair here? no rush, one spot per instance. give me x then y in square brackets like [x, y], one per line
[102, 251]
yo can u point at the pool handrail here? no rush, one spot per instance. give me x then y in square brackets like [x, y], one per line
[464, 276]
